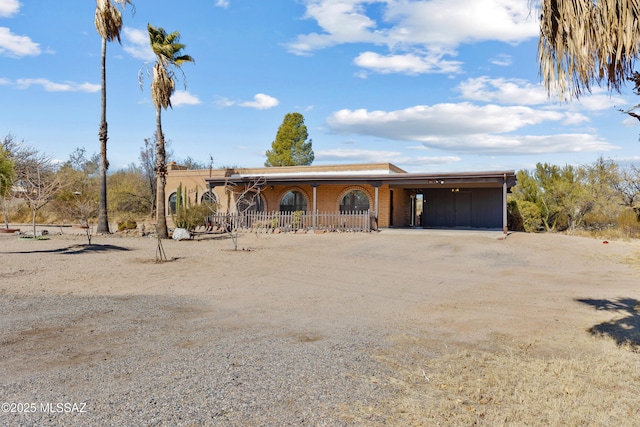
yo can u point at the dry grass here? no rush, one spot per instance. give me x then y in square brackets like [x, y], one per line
[515, 385]
[616, 233]
[633, 260]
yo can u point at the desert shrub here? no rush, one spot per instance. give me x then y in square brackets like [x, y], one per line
[21, 213]
[598, 221]
[629, 223]
[531, 216]
[191, 217]
[127, 224]
[515, 221]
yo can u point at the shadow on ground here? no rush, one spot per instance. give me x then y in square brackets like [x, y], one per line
[624, 330]
[74, 250]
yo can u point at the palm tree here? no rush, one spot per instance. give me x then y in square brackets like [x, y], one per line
[108, 22]
[586, 42]
[169, 56]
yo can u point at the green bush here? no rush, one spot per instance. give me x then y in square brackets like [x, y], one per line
[514, 218]
[531, 216]
[127, 224]
[189, 216]
[629, 223]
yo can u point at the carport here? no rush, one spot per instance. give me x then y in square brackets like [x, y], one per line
[469, 200]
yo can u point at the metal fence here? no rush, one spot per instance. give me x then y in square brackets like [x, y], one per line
[294, 221]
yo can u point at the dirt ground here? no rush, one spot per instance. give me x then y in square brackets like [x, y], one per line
[471, 327]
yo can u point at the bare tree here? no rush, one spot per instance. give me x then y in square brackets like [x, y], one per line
[241, 200]
[37, 183]
[192, 164]
[148, 162]
[7, 173]
[20, 155]
[79, 198]
[629, 188]
[86, 209]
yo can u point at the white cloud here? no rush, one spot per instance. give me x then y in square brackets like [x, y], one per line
[408, 63]
[466, 127]
[504, 91]
[373, 156]
[599, 99]
[630, 121]
[8, 8]
[261, 101]
[521, 92]
[450, 23]
[417, 33]
[573, 118]
[361, 74]
[521, 144]
[359, 155]
[136, 44]
[502, 60]
[12, 44]
[50, 86]
[427, 160]
[222, 3]
[181, 97]
[416, 123]
[15, 45]
[224, 102]
[343, 21]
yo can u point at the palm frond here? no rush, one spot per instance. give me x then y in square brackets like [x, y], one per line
[168, 54]
[182, 59]
[108, 18]
[108, 21]
[162, 87]
[586, 42]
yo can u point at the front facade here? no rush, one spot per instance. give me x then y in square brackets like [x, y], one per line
[393, 197]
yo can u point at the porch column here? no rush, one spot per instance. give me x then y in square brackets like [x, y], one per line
[315, 205]
[377, 202]
[505, 227]
[413, 210]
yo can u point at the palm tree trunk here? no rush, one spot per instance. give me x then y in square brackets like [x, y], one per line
[161, 171]
[103, 221]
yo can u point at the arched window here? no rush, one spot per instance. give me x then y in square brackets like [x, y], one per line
[209, 198]
[293, 201]
[172, 203]
[354, 200]
[251, 202]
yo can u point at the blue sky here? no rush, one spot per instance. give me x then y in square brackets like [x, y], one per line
[431, 85]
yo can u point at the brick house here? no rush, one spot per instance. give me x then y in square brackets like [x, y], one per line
[393, 197]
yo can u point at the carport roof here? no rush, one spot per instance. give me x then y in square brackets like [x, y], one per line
[394, 180]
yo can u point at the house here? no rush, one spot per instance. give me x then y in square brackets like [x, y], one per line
[392, 196]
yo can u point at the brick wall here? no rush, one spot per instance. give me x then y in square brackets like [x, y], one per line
[328, 196]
